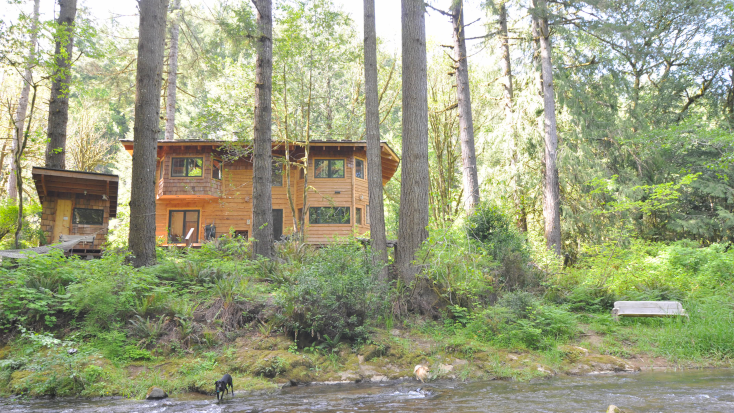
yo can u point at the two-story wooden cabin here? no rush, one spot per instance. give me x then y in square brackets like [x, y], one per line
[204, 190]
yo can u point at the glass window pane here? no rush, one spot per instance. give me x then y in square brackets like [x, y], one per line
[277, 176]
[176, 226]
[192, 223]
[216, 169]
[359, 168]
[88, 216]
[336, 168]
[358, 216]
[328, 215]
[178, 167]
[321, 168]
[195, 167]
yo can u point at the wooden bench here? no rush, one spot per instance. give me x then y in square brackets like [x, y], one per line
[647, 309]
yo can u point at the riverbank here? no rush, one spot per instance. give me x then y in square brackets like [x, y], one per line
[261, 362]
[103, 328]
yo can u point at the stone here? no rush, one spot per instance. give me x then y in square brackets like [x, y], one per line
[613, 409]
[155, 393]
[377, 379]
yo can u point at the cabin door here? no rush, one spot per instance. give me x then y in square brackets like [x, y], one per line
[277, 224]
[63, 218]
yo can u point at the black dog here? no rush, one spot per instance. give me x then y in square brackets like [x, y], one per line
[221, 385]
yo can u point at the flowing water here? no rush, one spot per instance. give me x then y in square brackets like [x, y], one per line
[688, 391]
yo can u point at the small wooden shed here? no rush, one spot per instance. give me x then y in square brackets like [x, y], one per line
[76, 204]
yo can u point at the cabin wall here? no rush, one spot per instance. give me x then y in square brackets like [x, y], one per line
[186, 186]
[48, 218]
[233, 206]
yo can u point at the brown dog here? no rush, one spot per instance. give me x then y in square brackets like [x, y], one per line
[421, 372]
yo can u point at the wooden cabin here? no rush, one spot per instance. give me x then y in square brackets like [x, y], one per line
[204, 189]
[76, 204]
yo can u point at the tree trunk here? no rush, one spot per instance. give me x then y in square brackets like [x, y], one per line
[463, 97]
[58, 106]
[376, 211]
[23, 101]
[262, 203]
[413, 216]
[172, 75]
[508, 99]
[551, 187]
[16, 160]
[146, 130]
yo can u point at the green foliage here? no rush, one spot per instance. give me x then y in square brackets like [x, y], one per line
[522, 320]
[334, 293]
[644, 270]
[489, 225]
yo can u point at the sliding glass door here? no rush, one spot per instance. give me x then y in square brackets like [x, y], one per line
[183, 226]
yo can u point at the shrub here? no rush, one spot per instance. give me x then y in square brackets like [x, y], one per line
[333, 293]
[522, 320]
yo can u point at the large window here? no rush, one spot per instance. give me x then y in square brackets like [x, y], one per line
[328, 215]
[187, 166]
[329, 168]
[216, 168]
[181, 223]
[88, 216]
[277, 176]
[359, 168]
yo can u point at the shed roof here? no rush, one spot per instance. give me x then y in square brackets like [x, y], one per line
[49, 181]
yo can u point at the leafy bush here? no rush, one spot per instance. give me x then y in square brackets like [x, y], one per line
[639, 270]
[333, 293]
[522, 320]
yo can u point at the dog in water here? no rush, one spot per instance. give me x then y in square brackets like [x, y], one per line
[421, 372]
[222, 385]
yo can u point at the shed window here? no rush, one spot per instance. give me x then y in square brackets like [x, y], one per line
[88, 216]
[217, 168]
[329, 168]
[328, 215]
[187, 166]
[359, 168]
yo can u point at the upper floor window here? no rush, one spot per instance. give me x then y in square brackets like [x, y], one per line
[359, 168]
[187, 167]
[329, 168]
[216, 168]
[88, 216]
[277, 176]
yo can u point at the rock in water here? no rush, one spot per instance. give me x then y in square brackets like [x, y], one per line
[156, 393]
[614, 409]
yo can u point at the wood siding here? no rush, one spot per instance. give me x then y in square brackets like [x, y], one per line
[232, 207]
[48, 218]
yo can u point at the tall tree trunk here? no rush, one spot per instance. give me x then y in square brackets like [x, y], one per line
[58, 106]
[463, 96]
[23, 101]
[413, 216]
[262, 203]
[16, 159]
[146, 129]
[378, 238]
[172, 75]
[508, 101]
[551, 187]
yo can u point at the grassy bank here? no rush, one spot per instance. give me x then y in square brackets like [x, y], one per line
[500, 311]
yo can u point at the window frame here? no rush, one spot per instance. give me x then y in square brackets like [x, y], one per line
[198, 224]
[220, 168]
[364, 169]
[312, 213]
[275, 165]
[328, 168]
[186, 166]
[74, 220]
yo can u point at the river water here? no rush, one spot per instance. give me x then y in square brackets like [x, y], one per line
[687, 391]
